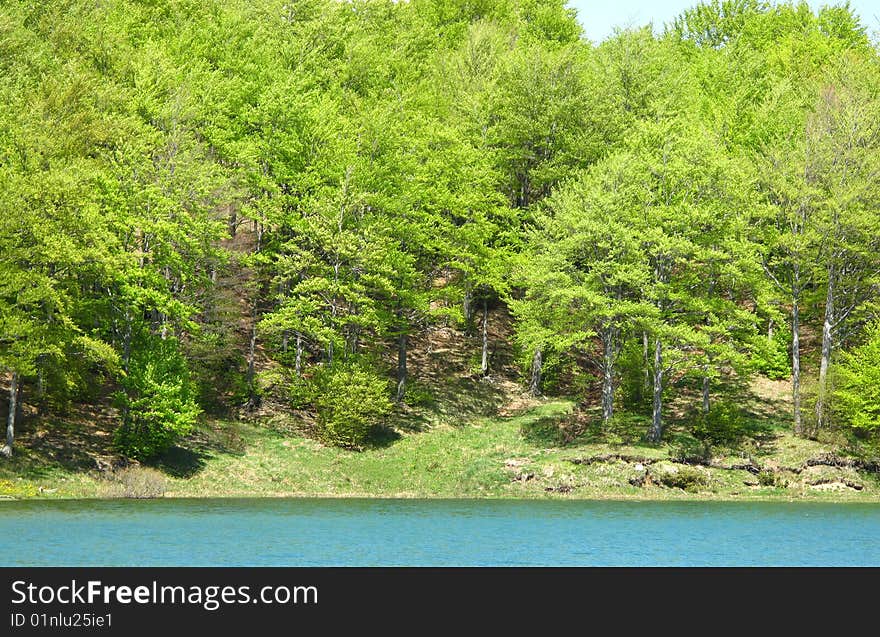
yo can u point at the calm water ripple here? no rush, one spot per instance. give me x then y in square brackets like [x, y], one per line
[361, 532]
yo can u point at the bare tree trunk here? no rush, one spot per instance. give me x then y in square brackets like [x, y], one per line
[401, 366]
[537, 363]
[608, 356]
[126, 343]
[353, 341]
[467, 309]
[706, 389]
[253, 399]
[656, 431]
[484, 364]
[41, 384]
[6, 450]
[827, 345]
[126, 367]
[299, 350]
[796, 360]
[646, 362]
[285, 337]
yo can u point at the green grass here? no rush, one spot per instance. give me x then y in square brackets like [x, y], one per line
[485, 457]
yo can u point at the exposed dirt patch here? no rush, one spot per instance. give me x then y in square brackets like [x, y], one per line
[836, 485]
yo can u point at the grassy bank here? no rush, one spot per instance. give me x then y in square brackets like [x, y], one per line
[525, 455]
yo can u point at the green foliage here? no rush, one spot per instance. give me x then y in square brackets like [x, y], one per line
[679, 477]
[200, 197]
[856, 400]
[725, 424]
[419, 395]
[218, 371]
[768, 478]
[351, 401]
[634, 387]
[714, 23]
[157, 402]
[774, 360]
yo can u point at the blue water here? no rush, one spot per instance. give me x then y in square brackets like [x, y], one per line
[354, 532]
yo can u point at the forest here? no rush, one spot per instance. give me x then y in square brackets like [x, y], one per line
[214, 209]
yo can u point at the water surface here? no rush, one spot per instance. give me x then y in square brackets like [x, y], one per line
[374, 532]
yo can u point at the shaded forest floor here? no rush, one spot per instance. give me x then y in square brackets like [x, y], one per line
[461, 436]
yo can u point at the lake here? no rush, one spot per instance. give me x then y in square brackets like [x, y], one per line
[368, 532]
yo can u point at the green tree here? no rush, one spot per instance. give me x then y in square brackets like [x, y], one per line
[843, 136]
[157, 398]
[584, 270]
[856, 396]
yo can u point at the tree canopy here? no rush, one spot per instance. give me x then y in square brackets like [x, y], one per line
[203, 204]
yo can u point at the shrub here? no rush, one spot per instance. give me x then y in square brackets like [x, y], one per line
[138, 482]
[300, 393]
[350, 402]
[856, 398]
[687, 478]
[418, 395]
[157, 403]
[771, 479]
[724, 424]
[690, 449]
[774, 360]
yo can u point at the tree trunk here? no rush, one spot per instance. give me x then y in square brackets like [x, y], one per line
[299, 350]
[285, 337]
[350, 345]
[608, 346]
[706, 390]
[126, 343]
[467, 310]
[796, 363]
[253, 400]
[827, 344]
[252, 346]
[656, 431]
[6, 450]
[126, 367]
[401, 366]
[537, 363]
[41, 384]
[646, 362]
[484, 364]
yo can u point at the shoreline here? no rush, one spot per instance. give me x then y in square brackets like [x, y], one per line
[654, 496]
[480, 458]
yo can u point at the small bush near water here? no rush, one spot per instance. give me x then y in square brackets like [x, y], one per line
[137, 482]
[771, 479]
[350, 402]
[686, 478]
